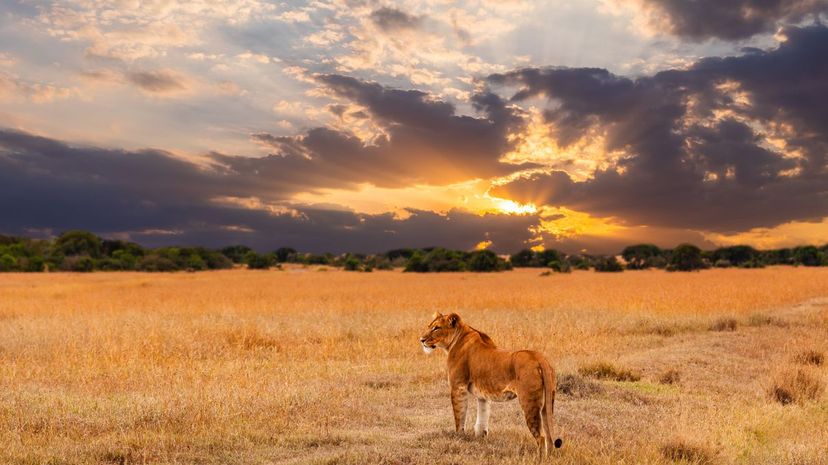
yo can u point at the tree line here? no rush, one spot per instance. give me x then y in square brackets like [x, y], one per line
[84, 251]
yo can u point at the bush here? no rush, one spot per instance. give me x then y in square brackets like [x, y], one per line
[810, 357]
[352, 264]
[156, 263]
[641, 256]
[285, 254]
[82, 263]
[236, 253]
[7, 263]
[795, 386]
[196, 263]
[724, 324]
[722, 263]
[577, 386]
[218, 261]
[484, 260]
[671, 376]
[808, 256]
[686, 257]
[737, 255]
[522, 259]
[606, 370]
[256, 261]
[560, 267]
[684, 451]
[78, 243]
[607, 265]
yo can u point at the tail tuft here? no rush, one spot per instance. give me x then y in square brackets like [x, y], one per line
[558, 443]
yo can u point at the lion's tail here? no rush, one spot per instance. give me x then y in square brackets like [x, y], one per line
[550, 385]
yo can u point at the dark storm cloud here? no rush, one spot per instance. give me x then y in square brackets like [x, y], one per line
[158, 199]
[426, 141]
[392, 19]
[732, 19]
[155, 81]
[686, 167]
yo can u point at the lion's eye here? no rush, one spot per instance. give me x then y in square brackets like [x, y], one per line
[434, 329]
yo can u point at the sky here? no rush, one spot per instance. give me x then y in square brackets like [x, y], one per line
[339, 125]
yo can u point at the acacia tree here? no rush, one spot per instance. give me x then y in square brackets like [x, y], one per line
[686, 257]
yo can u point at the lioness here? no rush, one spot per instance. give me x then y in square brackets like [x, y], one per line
[477, 366]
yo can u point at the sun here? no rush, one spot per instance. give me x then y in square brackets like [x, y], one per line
[513, 208]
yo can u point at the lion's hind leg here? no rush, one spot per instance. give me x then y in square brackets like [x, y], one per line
[531, 404]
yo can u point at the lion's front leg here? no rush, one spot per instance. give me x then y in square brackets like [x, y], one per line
[459, 401]
[481, 427]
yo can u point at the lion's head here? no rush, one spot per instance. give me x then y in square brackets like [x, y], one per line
[440, 332]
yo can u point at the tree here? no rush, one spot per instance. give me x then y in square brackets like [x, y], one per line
[484, 260]
[7, 262]
[524, 258]
[686, 257]
[78, 243]
[236, 253]
[285, 254]
[351, 264]
[808, 255]
[608, 265]
[416, 263]
[256, 261]
[641, 256]
[737, 255]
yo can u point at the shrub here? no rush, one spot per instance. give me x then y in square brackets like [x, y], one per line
[484, 260]
[236, 253]
[82, 263]
[256, 261]
[641, 256]
[679, 450]
[285, 254]
[606, 370]
[810, 357]
[417, 263]
[218, 261]
[351, 264]
[737, 255]
[722, 263]
[577, 386]
[724, 324]
[795, 386]
[78, 243]
[686, 257]
[671, 376]
[608, 265]
[524, 258]
[560, 266]
[196, 263]
[126, 260]
[156, 263]
[7, 263]
[808, 255]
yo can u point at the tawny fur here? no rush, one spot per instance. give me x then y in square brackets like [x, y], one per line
[477, 367]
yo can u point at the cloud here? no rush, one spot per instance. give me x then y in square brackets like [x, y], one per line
[423, 141]
[392, 20]
[727, 20]
[726, 145]
[159, 82]
[145, 195]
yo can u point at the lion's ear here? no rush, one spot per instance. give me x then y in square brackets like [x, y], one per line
[436, 315]
[454, 319]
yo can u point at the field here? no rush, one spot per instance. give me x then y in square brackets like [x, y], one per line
[308, 366]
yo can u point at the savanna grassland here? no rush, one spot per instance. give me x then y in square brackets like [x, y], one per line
[306, 366]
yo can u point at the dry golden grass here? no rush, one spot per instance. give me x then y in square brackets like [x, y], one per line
[299, 366]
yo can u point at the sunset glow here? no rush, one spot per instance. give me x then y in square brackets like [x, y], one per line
[365, 126]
